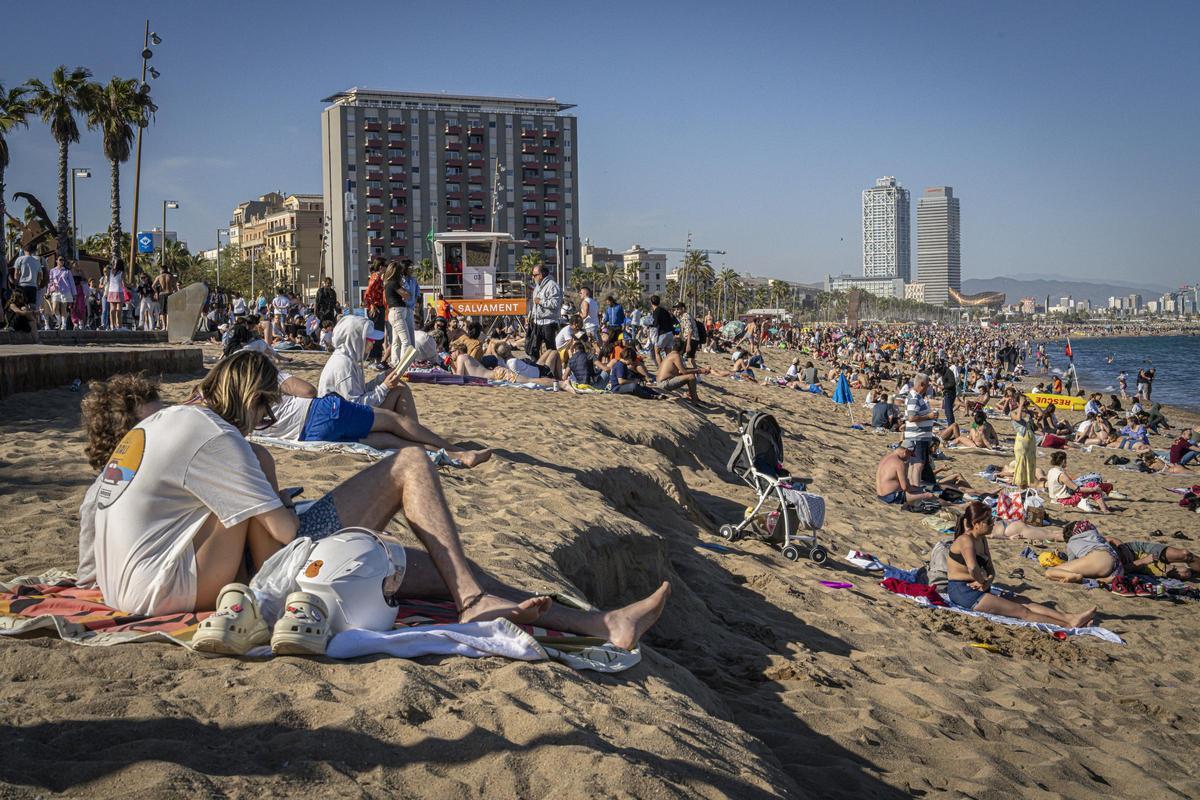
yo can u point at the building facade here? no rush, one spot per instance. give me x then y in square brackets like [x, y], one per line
[939, 245]
[914, 291]
[880, 287]
[281, 236]
[397, 165]
[886, 244]
[650, 268]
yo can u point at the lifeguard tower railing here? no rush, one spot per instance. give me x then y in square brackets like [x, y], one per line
[468, 276]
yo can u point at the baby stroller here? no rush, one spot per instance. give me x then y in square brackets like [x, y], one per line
[784, 507]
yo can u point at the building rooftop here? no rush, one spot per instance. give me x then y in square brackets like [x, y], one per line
[357, 95]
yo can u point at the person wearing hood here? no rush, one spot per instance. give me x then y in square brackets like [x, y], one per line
[396, 412]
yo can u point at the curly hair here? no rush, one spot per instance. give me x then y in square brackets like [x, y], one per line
[110, 411]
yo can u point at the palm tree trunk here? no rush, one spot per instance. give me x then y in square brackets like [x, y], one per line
[3, 219]
[65, 234]
[114, 228]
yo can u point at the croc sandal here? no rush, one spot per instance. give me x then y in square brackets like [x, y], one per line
[235, 628]
[303, 630]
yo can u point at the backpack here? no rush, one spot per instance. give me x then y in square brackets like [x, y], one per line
[938, 569]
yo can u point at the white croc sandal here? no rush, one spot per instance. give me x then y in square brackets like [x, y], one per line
[236, 627]
[303, 630]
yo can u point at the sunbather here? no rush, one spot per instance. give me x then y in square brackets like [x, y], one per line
[980, 434]
[1089, 555]
[970, 572]
[175, 540]
[506, 369]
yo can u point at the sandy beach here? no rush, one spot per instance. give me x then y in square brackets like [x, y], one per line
[757, 682]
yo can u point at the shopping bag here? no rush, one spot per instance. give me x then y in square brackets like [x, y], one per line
[1010, 506]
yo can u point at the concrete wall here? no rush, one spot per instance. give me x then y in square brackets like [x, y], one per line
[25, 368]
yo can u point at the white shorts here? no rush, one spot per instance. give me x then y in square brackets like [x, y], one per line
[59, 297]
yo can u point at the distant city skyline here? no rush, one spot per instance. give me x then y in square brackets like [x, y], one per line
[757, 135]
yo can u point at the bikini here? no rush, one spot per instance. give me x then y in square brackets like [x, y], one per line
[961, 593]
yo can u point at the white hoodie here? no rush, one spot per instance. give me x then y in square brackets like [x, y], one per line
[343, 373]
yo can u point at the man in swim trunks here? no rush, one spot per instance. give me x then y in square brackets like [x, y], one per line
[891, 478]
[672, 374]
[1157, 559]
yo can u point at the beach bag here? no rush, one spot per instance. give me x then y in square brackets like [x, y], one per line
[1010, 506]
[1035, 509]
[1053, 442]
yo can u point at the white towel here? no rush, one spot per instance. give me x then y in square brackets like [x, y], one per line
[471, 639]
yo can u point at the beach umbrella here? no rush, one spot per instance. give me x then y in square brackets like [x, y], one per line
[733, 329]
[842, 395]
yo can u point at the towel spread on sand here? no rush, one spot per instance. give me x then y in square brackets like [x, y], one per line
[438, 457]
[1094, 630]
[423, 627]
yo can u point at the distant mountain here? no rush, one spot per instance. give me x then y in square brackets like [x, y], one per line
[1017, 288]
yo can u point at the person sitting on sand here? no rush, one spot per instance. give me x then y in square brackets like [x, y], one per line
[343, 372]
[1089, 555]
[467, 366]
[970, 572]
[892, 485]
[673, 374]
[1184, 449]
[1064, 490]
[981, 434]
[1134, 435]
[176, 540]
[884, 416]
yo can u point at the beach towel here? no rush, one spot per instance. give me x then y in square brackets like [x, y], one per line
[1093, 630]
[52, 601]
[439, 457]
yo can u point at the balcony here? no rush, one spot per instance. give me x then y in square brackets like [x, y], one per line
[395, 127]
[374, 142]
[374, 192]
[376, 242]
[529, 134]
[476, 131]
[397, 190]
[531, 212]
[529, 148]
[398, 224]
[453, 162]
[552, 181]
[551, 229]
[475, 196]
[374, 226]
[453, 130]
[372, 126]
[375, 208]
[455, 146]
[549, 134]
[475, 148]
[374, 161]
[550, 151]
[375, 175]
[550, 197]
[475, 162]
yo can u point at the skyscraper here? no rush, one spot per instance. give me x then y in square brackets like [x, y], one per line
[886, 247]
[939, 253]
[397, 164]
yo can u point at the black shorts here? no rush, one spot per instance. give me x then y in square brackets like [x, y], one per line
[691, 350]
[30, 293]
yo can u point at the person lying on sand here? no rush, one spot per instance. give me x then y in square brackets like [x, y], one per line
[508, 370]
[208, 504]
[891, 479]
[970, 571]
[980, 434]
[1089, 555]
[1156, 559]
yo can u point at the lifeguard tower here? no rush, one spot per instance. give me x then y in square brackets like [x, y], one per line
[466, 264]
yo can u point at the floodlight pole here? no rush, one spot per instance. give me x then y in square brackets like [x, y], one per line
[137, 169]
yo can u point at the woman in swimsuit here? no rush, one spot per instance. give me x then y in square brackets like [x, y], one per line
[970, 572]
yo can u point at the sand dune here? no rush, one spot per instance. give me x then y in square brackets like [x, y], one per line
[757, 682]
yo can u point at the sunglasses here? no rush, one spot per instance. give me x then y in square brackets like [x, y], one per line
[269, 419]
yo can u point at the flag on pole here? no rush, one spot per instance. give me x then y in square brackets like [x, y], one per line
[429, 236]
[1070, 354]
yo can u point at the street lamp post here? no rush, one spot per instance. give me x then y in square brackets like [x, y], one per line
[147, 54]
[162, 250]
[78, 172]
[219, 232]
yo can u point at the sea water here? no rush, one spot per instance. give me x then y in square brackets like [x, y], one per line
[1177, 368]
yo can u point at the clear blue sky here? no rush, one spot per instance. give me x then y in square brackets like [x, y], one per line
[1069, 130]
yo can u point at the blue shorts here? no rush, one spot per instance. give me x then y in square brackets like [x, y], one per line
[332, 418]
[963, 596]
[319, 520]
[895, 498]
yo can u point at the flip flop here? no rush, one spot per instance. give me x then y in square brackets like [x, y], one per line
[1017, 573]
[1180, 535]
[836, 584]
[714, 547]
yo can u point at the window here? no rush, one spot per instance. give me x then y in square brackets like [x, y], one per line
[551, 205]
[453, 187]
[492, 124]
[529, 173]
[453, 219]
[453, 202]
[475, 140]
[454, 170]
[374, 184]
[474, 172]
[416, 171]
[478, 220]
[550, 173]
[528, 205]
[352, 168]
[475, 187]
[530, 220]
[528, 158]
[374, 218]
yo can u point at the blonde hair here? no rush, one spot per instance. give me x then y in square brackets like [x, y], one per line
[237, 384]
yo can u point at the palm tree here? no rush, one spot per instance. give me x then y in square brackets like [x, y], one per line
[608, 275]
[630, 290]
[582, 276]
[57, 105]
[424, 272]
[527, 263]
[14, 109]
[116, 108]
[725, 284]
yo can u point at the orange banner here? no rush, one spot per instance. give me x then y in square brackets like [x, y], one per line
[500, 307]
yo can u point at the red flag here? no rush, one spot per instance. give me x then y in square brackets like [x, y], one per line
[1068, 350]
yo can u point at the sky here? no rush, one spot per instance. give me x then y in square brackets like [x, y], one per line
[1068, 130]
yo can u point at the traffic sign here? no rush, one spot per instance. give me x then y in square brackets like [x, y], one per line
[145, 242]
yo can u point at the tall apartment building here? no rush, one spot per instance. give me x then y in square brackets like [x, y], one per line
[397, 165]
[281, 235]
[939, 247]
[886, 243]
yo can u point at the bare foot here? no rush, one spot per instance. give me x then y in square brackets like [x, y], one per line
[473, 458]
[626, 625]
[1084, 619]
[491, 607]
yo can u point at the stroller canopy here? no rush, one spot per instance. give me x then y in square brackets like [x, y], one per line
[759, 448]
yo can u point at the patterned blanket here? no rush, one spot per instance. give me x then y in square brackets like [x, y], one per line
[79, 616]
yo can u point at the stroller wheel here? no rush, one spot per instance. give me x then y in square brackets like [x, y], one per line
[729, 533]
[819, 554]
[791, 553]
